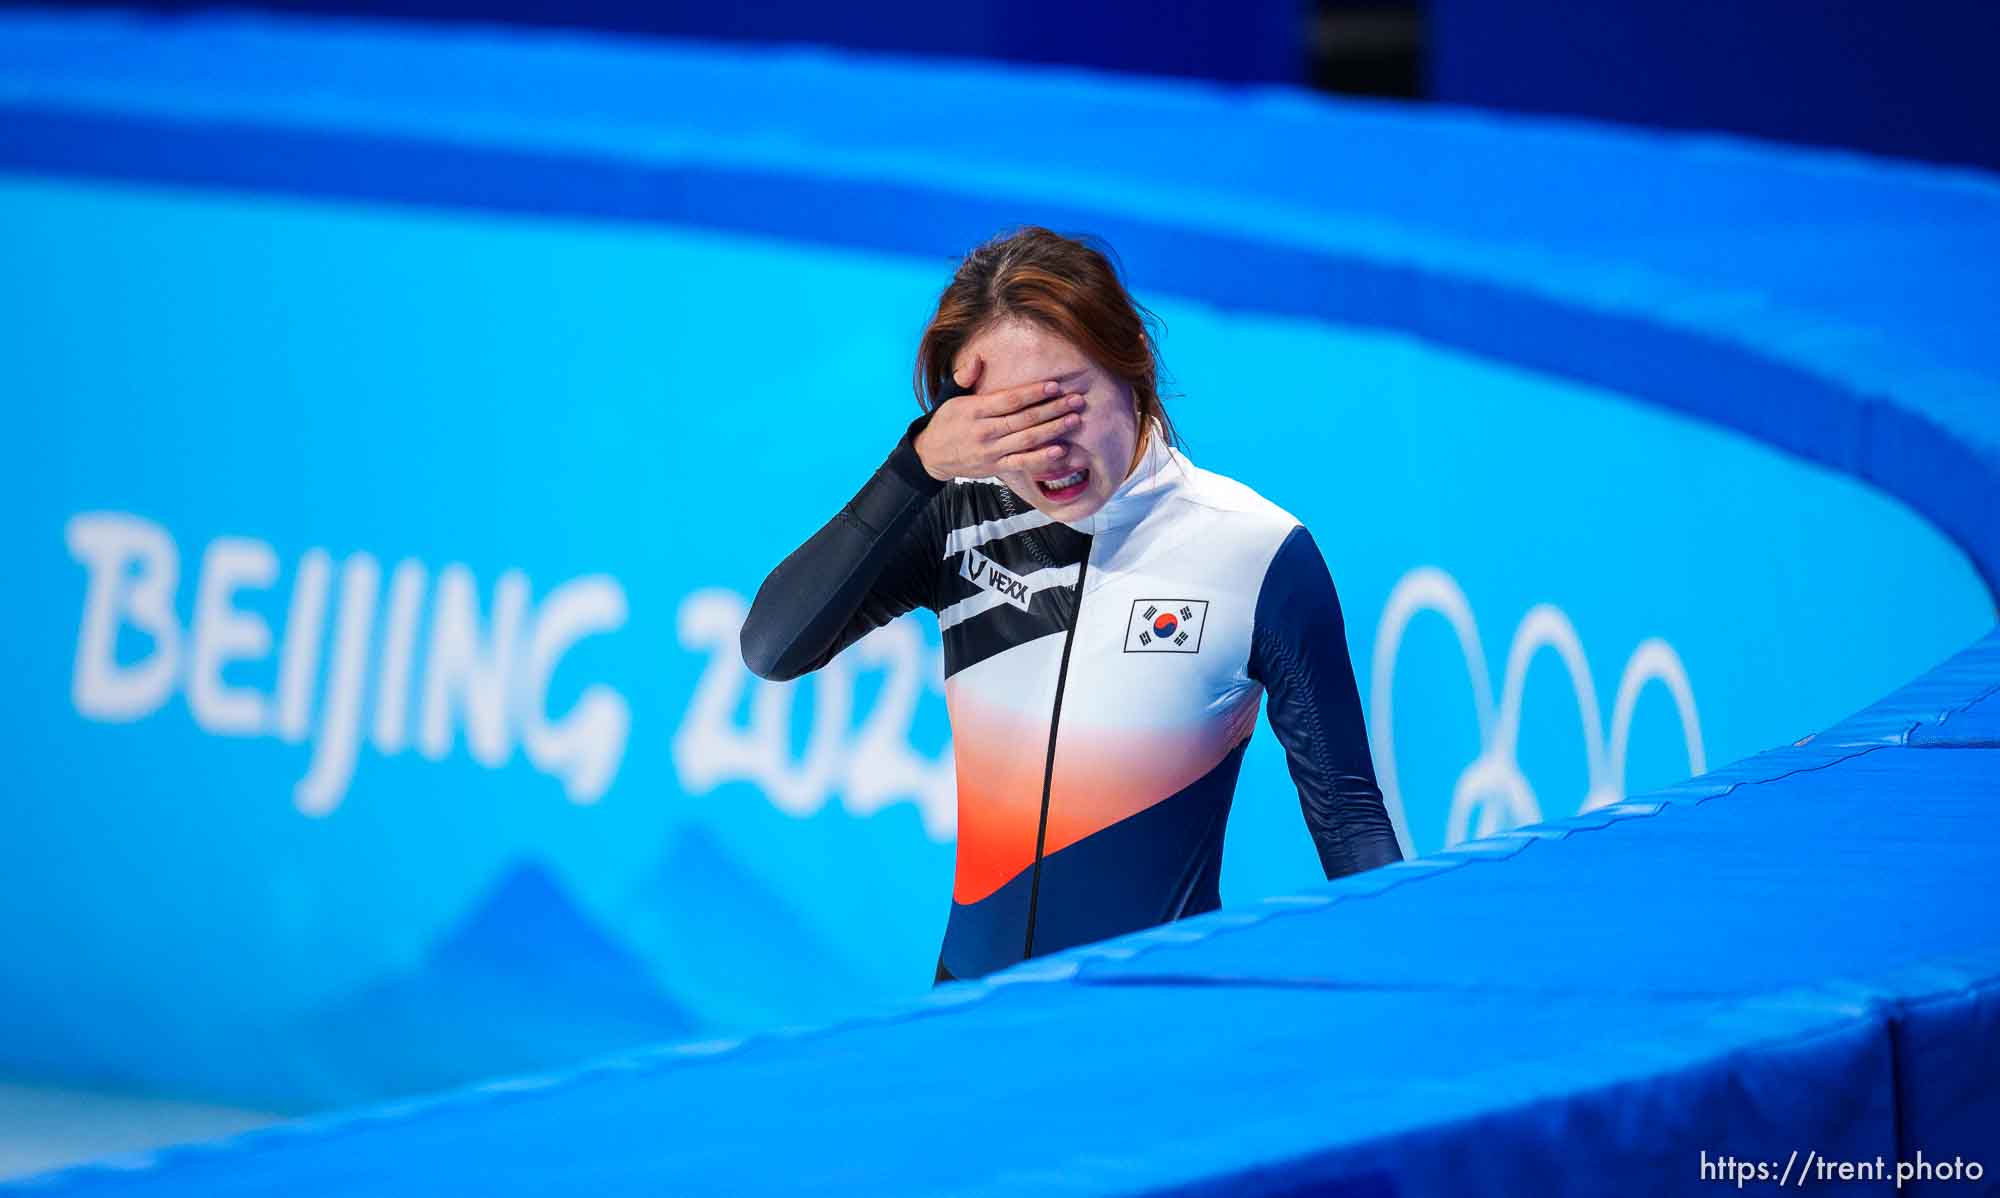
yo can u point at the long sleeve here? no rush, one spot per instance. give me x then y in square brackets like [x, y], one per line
[876, 559]
[1299, 653]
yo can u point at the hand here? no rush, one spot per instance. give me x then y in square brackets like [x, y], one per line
[977, 436]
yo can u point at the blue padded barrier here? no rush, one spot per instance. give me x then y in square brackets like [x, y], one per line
[1055, 1088]
[1953, 702]
[1975, 725]
[1737, 881]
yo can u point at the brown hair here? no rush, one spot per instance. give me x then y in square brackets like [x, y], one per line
[1067, 285]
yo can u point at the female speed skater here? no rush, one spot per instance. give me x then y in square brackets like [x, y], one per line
[1111, 614]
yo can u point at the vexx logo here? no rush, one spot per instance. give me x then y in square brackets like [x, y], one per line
[980, 570]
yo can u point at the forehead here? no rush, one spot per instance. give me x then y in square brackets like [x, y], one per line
[1018, 351]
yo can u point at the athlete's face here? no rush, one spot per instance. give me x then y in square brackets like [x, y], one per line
[1102, 450]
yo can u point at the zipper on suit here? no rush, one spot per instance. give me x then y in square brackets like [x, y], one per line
[1049, 767]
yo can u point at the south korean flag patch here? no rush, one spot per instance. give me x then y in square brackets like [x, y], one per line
[1166, 625]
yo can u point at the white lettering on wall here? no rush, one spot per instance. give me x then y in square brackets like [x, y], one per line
[583, 747]
[340, 723]
[298, 662]
[133, 574]
[223, 633]
[488, 675]
[406, 597]
[464, 675]
[868, 770]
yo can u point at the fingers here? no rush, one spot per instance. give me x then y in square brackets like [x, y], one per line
[967, 376]
[1040, 424]
[1033, 459]
[1013, 399]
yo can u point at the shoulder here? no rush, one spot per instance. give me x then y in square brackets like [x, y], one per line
[1234, 506]
[1288, 562]
[1220, 493]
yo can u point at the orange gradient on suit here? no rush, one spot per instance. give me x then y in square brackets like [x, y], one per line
[1102, 775]
[999, 757]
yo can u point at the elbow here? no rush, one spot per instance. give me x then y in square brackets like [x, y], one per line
[763, 654]
[771, 635]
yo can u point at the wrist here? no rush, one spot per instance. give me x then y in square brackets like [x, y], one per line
[917, 447]
[909, 462]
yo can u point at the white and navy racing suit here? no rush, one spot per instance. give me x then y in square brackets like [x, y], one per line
[1102, 677]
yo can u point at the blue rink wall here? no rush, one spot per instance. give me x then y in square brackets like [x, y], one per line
[402, 440]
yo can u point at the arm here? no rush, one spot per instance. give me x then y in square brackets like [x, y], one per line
[872, 562]
[879, 557]
[1298, 651]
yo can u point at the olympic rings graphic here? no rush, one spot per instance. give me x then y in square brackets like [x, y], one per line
[1492, 794]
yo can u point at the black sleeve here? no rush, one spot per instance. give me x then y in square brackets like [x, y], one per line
[1298, 651]
[876, 559]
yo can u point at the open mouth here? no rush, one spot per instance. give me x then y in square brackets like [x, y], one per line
[1069, 486]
